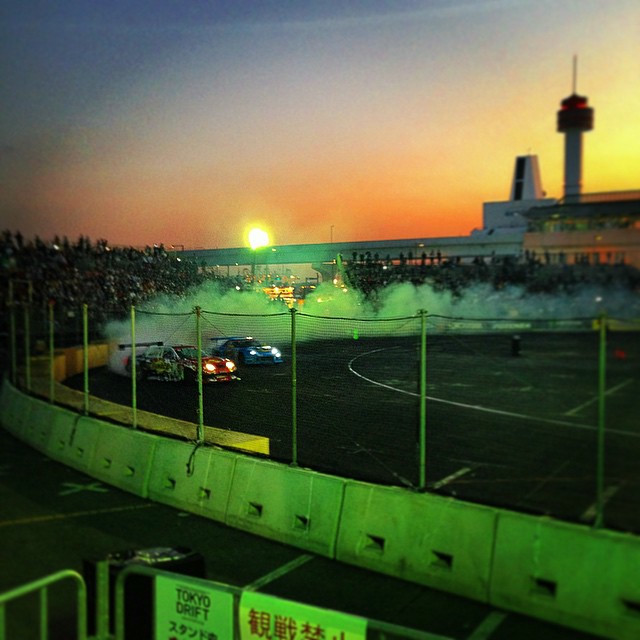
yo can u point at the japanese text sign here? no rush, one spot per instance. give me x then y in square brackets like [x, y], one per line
[188, 610]
[265, 617]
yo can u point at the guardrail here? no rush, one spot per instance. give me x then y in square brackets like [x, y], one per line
[42, 586]
[194, 607]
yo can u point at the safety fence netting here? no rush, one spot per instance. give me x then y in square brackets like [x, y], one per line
[535, 415]
[358, 397]
[620, 439]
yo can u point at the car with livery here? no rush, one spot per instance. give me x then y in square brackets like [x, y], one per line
[245, 350]
[180, 363]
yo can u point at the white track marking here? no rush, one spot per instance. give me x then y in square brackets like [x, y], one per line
[450, 478]
[486, 628]
[74, 487]
[577, 409]
[477, 407]
[279, 572]
[75, 514]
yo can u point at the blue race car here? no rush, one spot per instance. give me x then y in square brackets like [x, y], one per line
[245, 350]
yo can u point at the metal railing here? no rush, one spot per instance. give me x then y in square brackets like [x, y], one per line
[42, 587]
[107, 584]
[375, 629]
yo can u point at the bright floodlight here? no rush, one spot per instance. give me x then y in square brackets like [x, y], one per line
[258, 238]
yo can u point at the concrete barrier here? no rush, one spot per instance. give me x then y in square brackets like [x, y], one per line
[73, 439]
[294, 506]
[196, 479]
[431, 540]
[9, 414]
[568, 574]
[122, 457]
[37, 431]
[17, 413]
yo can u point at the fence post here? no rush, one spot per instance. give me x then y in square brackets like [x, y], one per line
[27, 345]
[294, 392]
[602, 378]
[52, 355]
[134, 372]
[199, 376]
[12, 336]
[85, 355]
[423, 400]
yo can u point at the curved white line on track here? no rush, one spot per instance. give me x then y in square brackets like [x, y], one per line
[477, 407]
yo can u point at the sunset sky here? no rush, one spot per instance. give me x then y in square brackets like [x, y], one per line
[184, 121]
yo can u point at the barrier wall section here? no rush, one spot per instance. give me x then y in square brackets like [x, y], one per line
[423, 538]
[292, 505]
[567, 574]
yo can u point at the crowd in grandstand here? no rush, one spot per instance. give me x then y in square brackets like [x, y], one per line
[106, 278]
[111, 279]
[534, 274]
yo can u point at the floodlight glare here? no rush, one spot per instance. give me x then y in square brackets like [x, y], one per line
[258, 238]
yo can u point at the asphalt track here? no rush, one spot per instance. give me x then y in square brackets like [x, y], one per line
[54, 518]
[515, 431]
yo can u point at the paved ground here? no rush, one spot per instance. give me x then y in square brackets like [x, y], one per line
[55, 518]
[513, 431]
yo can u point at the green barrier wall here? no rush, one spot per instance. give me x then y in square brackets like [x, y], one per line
[292, 505]
[37, 431]
[568, 574]
[123, 457]
[435, 541]
[73, 439]
[9, 410]
[196, 479]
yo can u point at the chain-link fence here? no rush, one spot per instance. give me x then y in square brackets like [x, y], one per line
[535, 415]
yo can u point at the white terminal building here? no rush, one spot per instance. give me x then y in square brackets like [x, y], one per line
[593, 228]
[577, 228]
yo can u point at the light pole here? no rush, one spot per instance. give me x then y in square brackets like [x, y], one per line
[331, 232]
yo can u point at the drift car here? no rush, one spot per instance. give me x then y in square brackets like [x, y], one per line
[180, 362]
[246, 350]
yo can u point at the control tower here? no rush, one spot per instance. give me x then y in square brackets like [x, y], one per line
[574, 117]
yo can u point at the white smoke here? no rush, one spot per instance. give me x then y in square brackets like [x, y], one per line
[225, 312]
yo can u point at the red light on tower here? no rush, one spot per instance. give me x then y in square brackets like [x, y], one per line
[575, 113]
